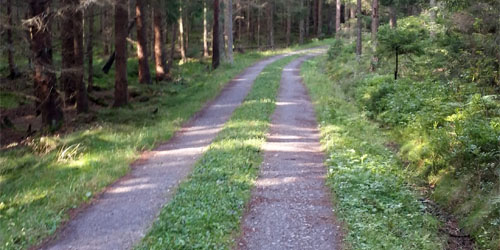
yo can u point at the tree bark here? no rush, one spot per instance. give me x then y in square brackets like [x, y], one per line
[393, 21]
[215, 37]
[121, 88]
[67, 77]
[270, 23]
[359, 46]
[48, 102]
[172, 48]
[301, 24]
[433, 17]
[315, 16]
[82, 102]
[160, 65]
[13, 73]
[182, 45]
[90, 48]
[288, 23]
[205, 30]
[249, 21]
[229, 31]
[106, 32]
[142, 43]
[259, 13]
[222, 43]
[338, 11]
[320, 18]
[308, 17]
[375, 24]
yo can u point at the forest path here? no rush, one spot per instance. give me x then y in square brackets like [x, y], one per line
[123, 213]
[290, 206]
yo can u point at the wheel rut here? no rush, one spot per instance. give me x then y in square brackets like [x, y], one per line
[123, 213]
[290, 206]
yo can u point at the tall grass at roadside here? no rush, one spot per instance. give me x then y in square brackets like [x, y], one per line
[371, 195]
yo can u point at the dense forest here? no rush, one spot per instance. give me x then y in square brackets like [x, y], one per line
[406, 94]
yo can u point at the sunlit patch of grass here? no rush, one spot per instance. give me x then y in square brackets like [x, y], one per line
[207, 208]
[371, 195]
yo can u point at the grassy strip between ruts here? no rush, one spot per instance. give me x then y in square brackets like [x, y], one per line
[371, 195]
[206, 211]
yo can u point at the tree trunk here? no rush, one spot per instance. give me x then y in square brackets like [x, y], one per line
[308, 17]
[82, 102]
[320, 18]
[48, 102]
[433, 17]
[205, 30]
[159, 46]
[90, 48]
[67, 78]
[106, 32]
[222, 43]
[229, 31]
[288, 24]
[182, 46]
[337, 16]
[315, 16]
[248, 23]
[121, 16]
[259, 13]
[270, 23]
[301, 24]
[215, 36]
[375, 24]
[393, 21]
[172, 48]
[142, 43]
[13, 73]
[397, 65]
[359, 46]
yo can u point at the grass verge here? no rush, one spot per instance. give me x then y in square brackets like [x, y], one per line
[206, 211]
[372, 197]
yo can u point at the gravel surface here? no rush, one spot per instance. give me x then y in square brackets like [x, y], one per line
[290, 206]
[121, 216]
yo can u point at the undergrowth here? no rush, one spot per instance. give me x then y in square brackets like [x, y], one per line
[371, 194]
[207, 208]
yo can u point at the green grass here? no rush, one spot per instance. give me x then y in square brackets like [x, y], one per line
[206, 211]
[40, 182]
[371, 194]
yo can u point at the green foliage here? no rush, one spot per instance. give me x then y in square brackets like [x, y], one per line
[371, 195]
[407, 38]
[207, 208]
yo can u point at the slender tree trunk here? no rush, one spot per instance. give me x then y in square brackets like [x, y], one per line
[106, 32]
[82, 102]
[48, 102]
[320, 18]
[288, 24]
[90, 49]
[160, 64]
[301, 24]
[433, 18]
[10, 43]
[215, 36]
[121, 22]
[315, 16]
[270, 23]
[249, 21]
[396, 71]
[375, 24]
[172, 48]
[67, 79]
[222, 41]
[308, 17]
[338, 11]
[229, 31]
[205, 30]
[393, 21]
[259, 13]
[182, 46]
[359, 46]
[142, 43]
